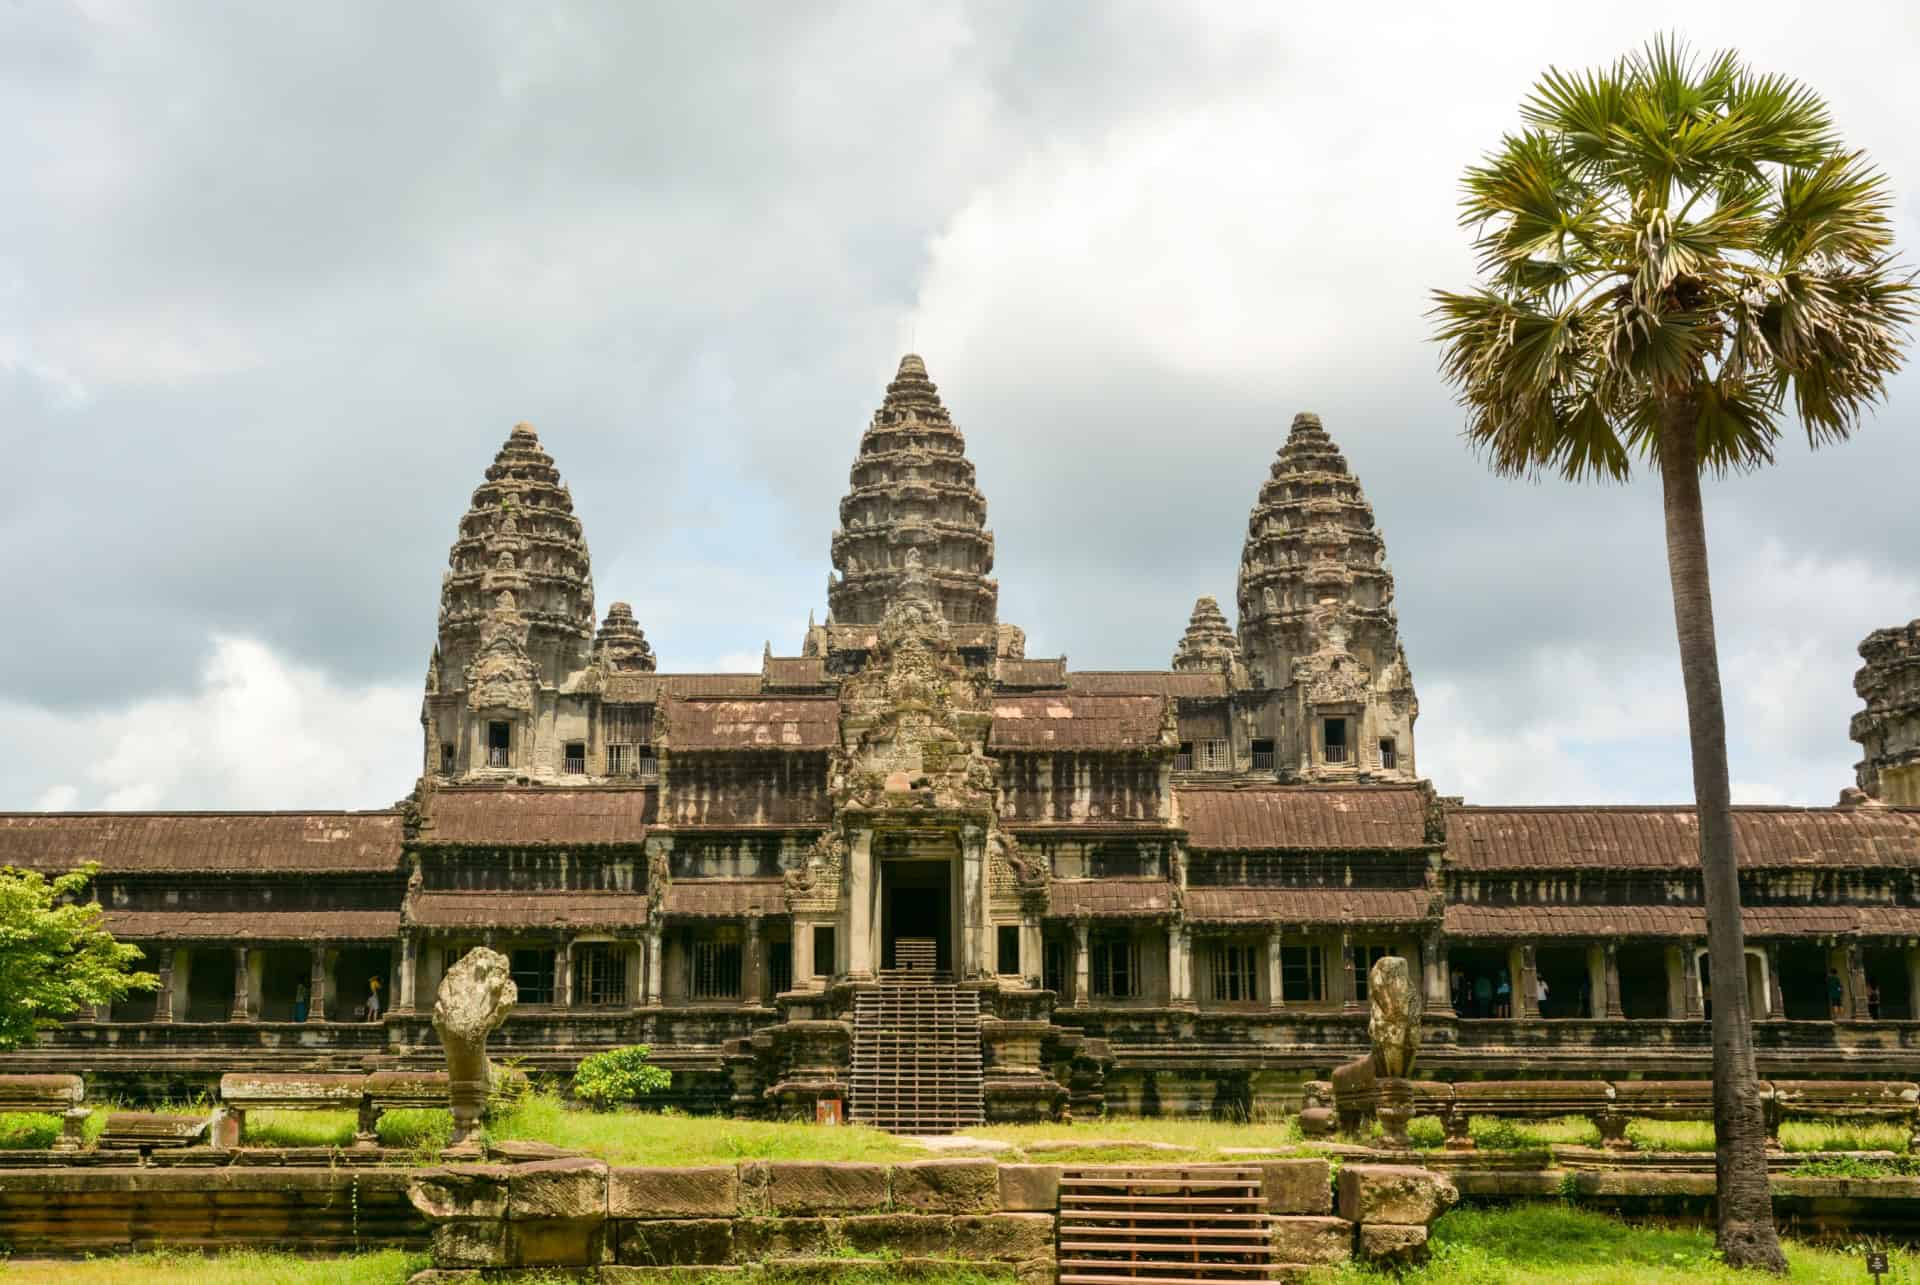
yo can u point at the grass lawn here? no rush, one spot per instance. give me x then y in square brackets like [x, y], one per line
[387, 1267]
[1555, 1243]
[652, 1138]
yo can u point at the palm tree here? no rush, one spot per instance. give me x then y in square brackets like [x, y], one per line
[1676, 255]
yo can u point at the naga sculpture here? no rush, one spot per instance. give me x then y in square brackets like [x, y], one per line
[475, 997]
[1376, 1085]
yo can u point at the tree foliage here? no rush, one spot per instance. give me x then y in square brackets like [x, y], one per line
[1671, 229]
[619, 1075]
[56, 957]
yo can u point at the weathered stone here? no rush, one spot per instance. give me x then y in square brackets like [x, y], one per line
[675, 1241]
[1008, 1237]
[522, 1150]
[910, 1234]
[947, 1186]
[475, 997]
[470, 1244]
[574, 1188]
[799, 1187]
[1403, 1194]
[1296, 1186]
[1393, 1244]
[620, 1274]
[1393, 1022]
[708, 1191]
[1030, 1188]
[1312, 1240]
[460, 1191]
[755, 1239]
[558, 1242]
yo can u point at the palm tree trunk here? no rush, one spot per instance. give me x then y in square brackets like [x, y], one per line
[1746, 1233]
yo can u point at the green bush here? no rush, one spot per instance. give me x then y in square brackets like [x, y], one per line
[619, 1075]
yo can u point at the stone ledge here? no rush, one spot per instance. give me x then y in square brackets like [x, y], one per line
[947, 1186]
[709, 1191]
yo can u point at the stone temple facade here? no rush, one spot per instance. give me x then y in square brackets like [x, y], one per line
[1151, 890]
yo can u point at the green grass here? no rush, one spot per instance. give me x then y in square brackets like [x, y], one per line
[418, 1128]
[658, 1138]
[387, 1267]
[1491, 1134]
[1555, 1243]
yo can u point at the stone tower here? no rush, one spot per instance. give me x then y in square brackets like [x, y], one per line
[1317, 626]
[516, 619]
[1208, 646]
[1888, 729]
[912, 488]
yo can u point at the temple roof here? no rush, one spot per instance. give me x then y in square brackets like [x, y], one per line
[212, 842]
[1121, 898]
[1470, 920]
[794, 723]
[912, 487]
[1279, 906]
[256, 924]
[570, 910]
[1667, 838]
[725, 898]
[537, 816]
[1158, 682]
[1252, 818]
[1064, 721]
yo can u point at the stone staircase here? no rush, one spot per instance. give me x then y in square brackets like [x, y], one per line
[1164, 1225]
[916, 1056]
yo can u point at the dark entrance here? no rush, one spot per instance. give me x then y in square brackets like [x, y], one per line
[1803, 982]
[1569, 983]
[354, 969]
[284, 977]
[1643, 982]
[916, 904]
[209, 986]
[1486, 987]
[1887, 973]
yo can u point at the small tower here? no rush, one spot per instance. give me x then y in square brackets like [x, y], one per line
[1888, 729]
[1208, 646]
[1317, 626]
[621, 646]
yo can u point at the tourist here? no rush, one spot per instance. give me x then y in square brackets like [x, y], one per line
[1542, 997]
[1503, 996]
[373, 1000]
[1482, 996]
[1835, 992]
[1461, 993]
[300, 1002]
[1873, 999]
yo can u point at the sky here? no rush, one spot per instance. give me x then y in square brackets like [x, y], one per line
[277, 281]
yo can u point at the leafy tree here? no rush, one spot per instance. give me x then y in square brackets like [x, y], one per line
[619, 1075]
[1677, 256]
[55, 957]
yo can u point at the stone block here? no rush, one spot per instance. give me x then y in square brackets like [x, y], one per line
[470, 1243]
[557, 1242]
[615, 1274]
[1393, 1244]
[573, 1188]
[911, 1235]
[798, 1187]
[675, 1242]
[755, 1239]
[1404, 1194]
[947, 1187]
[709, 1191]
[1012, 1238]
[460, 1191]
[1312, 1240]
[1296, 1186]
[1030, 1189]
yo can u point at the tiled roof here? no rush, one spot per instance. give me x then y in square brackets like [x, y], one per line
[254, 925]
[1109, 898]
[1615, 838]
[795, 671]
[527, 909]
[1361, 818]
[536, 816]
[250, 842]
[683, 686]
[1678, 921]
[725, 898]
[764, 723]
[1062, 721]
[1309, 905]
[1032, 673]
[1139, 682]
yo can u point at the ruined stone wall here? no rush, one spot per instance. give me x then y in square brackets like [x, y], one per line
[1080, 787]
[742, 788]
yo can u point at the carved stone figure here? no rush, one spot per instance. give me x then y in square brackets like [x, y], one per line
[475, 997]
[1393, 1022]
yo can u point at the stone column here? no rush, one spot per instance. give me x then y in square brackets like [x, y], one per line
[1611, 994]
[1081, 964]
[861, 890]
[654, 989]
[1526, 999]
[406, 990]
[563, 973]
[317, 987]
[1445, 964]
[802, 956]
[753, 983]
[1276, 990]
[1596, 981]
[1913, 983]
[976, 931]
[1776, 998]
[1433, 978]
[163, 998]
[1180, 966]
[1349, 993]
[1857, 981]
[1032, 950]
[1690, 983]
[242, 986]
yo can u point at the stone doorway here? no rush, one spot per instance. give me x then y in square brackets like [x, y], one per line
[353, 969]
[1887, 971]
[284, 972]
[1569, 981]
[1643, 982]
[209, 986]
[1484, 970]
[1803, 982]
[916, 904]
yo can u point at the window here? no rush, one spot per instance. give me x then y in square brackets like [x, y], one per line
[1302, 980]
[1263, 756]
[1236, 973]
[714, 969]
[576, 758]
[1215, 756]
[1183, 761]
[824, 949]
[533, 975]
[1363, 961]
[446, 756]
[1054, 967]
[1387, 756]
[1336, 740]
[780, 966]
[1007, 949]
[1116, 967]
[499, 744]
[599, 974]
[619, 760]
[648, 765]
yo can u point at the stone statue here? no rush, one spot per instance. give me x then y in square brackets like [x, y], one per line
[475, 997]
[1393, 1023]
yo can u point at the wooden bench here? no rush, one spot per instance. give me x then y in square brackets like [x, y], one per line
[60, 1095]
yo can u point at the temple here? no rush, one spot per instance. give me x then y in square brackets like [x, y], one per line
[917, 871]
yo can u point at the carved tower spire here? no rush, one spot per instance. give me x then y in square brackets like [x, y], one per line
[1317, 624]
[1888, 729]
[1208, 645]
